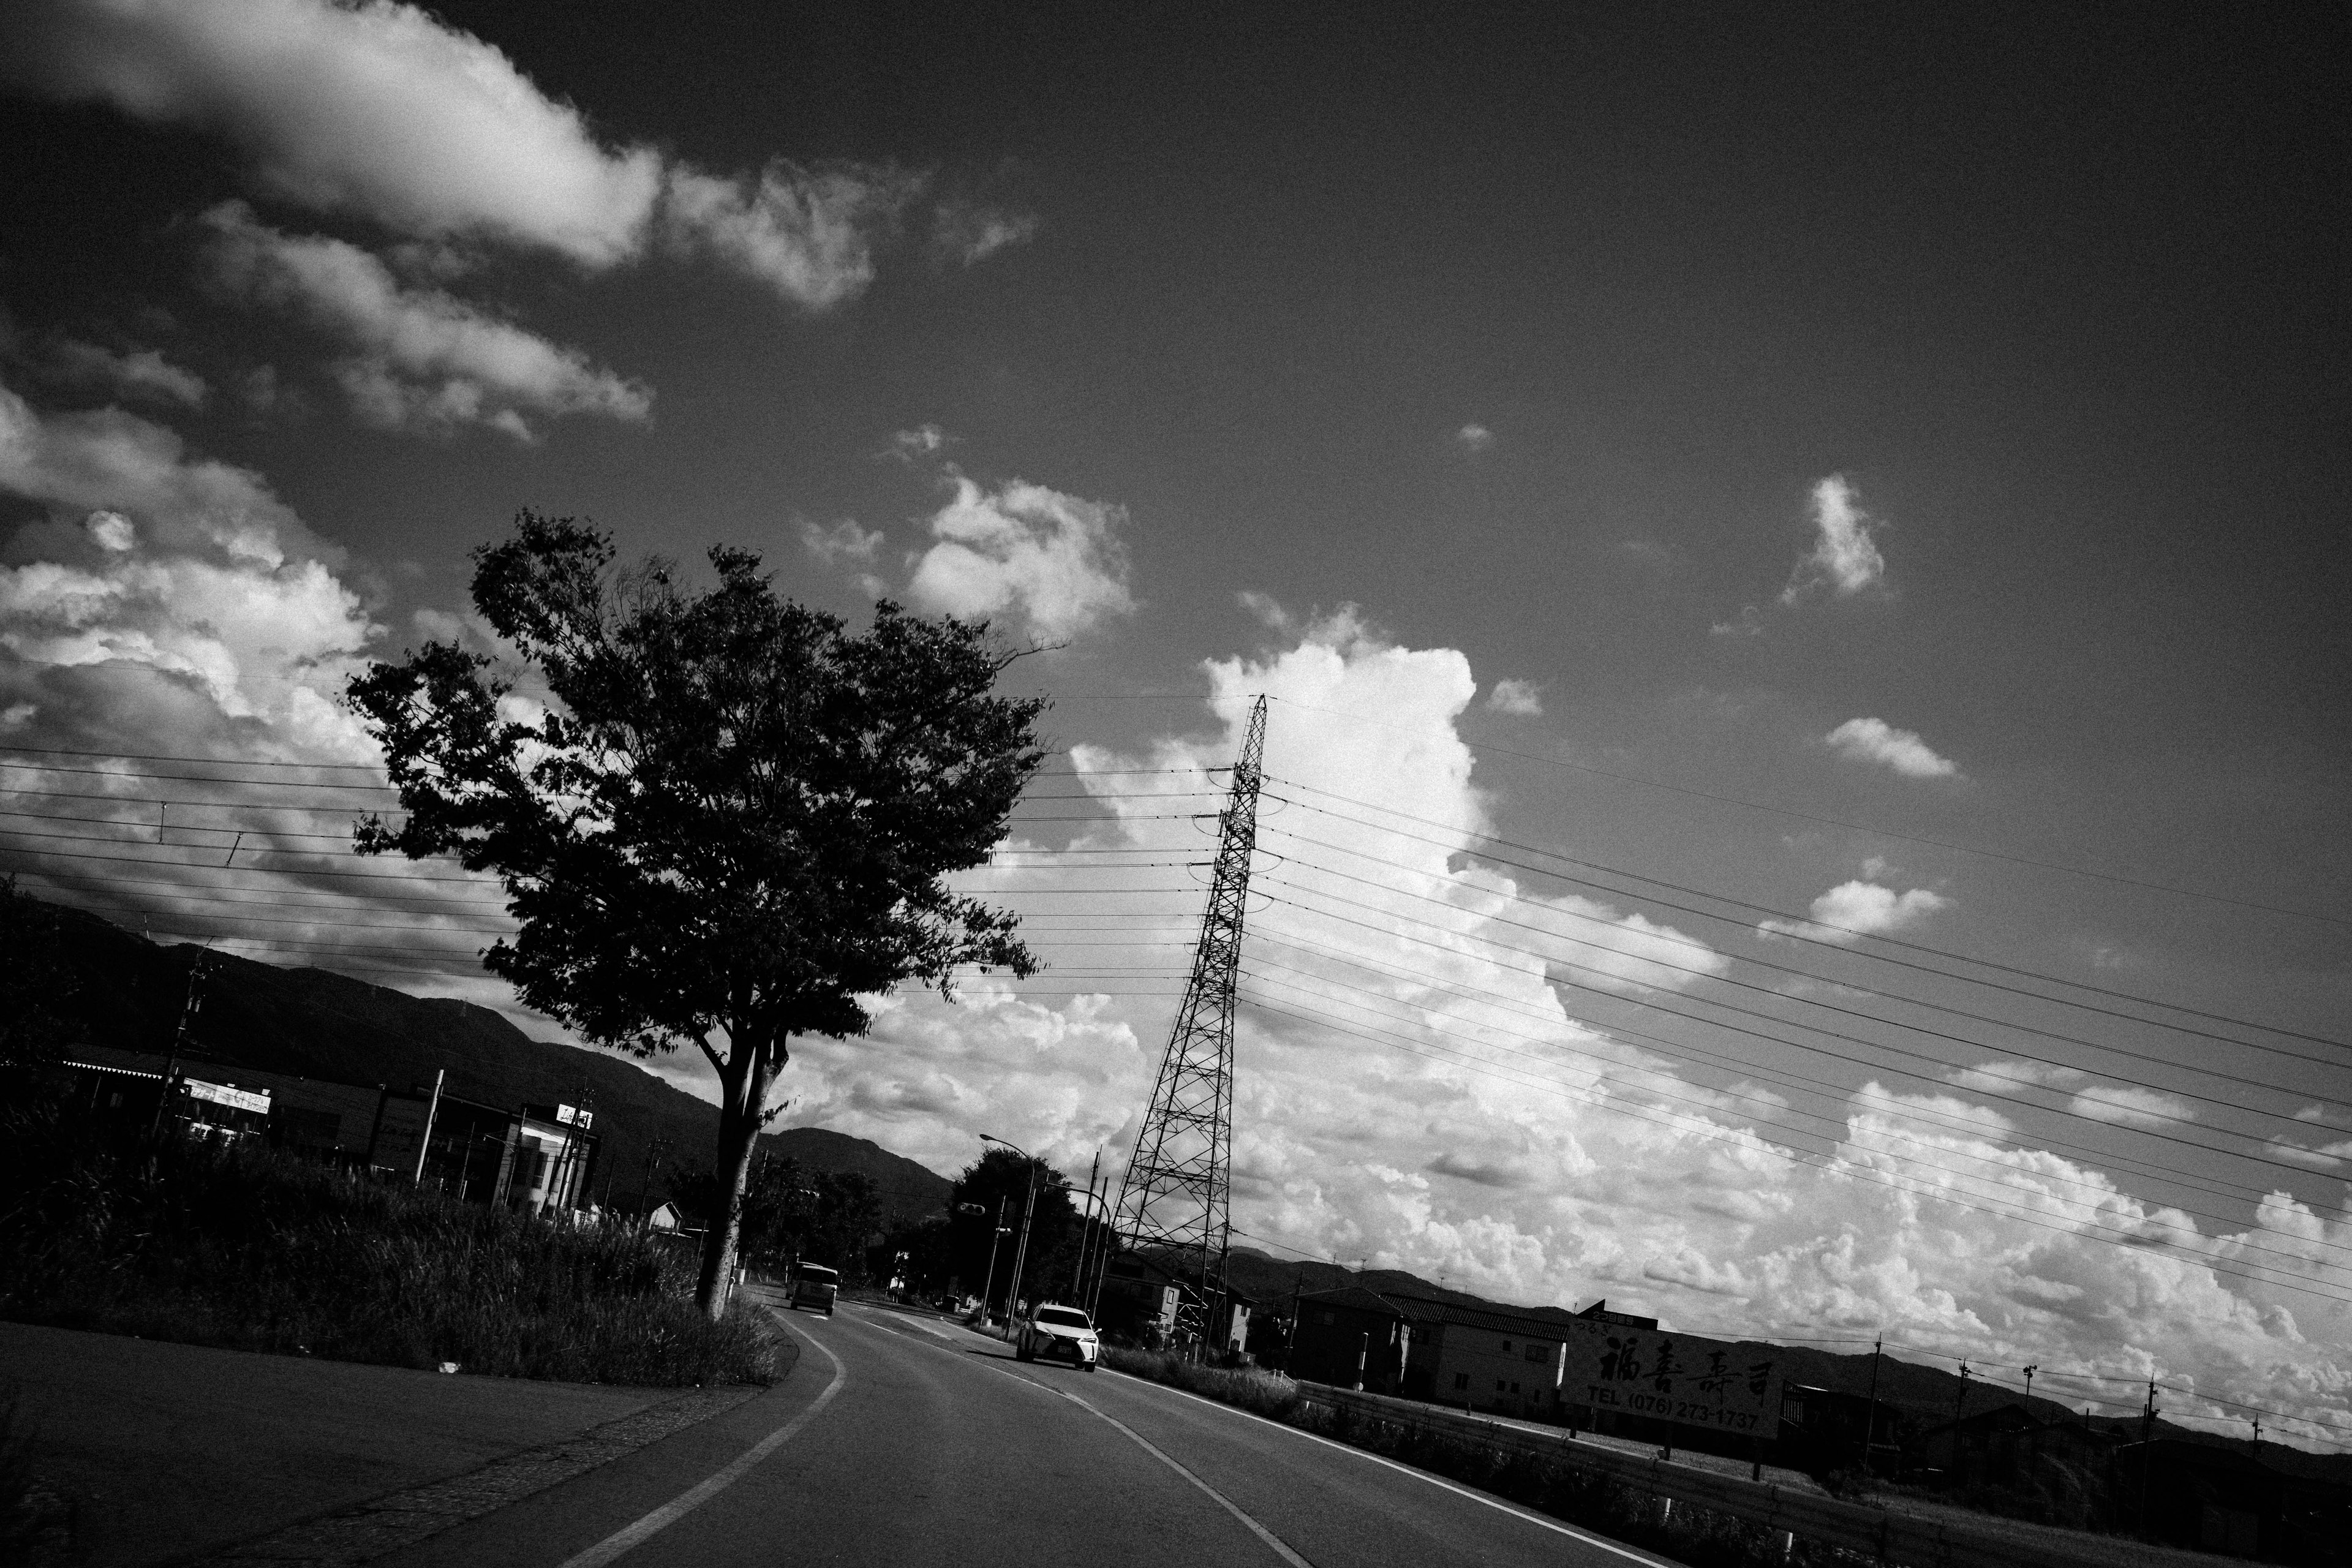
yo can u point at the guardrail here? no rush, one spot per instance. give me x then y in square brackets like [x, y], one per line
[1893, 1538]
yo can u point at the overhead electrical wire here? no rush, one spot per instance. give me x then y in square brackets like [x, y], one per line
[1839, 822]
[1732, 1007]
[1791, 1156]
[2004, 1182]
[1824, 1088]
[1803, 921]
[1703, 973]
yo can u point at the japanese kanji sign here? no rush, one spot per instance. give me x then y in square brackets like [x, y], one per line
[1672, 1377]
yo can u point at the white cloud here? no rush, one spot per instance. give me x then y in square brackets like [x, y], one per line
[1055, 560]
[1875, 741]
[1474, 438]
[845, 540]
[1749, 623]
[1522, 698]
[1854, 909]
[1843, 558]
[379, 111]
[419, 359]
[371, 109]
[968, 235]
[809, 235]
[168, 604]
[2126, 1106]
[140, 373]
[922, 441]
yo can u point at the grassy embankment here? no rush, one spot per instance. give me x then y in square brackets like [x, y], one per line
[256, 1250]
[1577, 1496]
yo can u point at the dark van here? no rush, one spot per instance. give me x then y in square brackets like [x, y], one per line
[815, 1287]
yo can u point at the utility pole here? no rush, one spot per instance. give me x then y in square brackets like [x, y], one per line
[190, 1006]
[1176, 1198]
[2028, 1388]
[1870, 1422]
[425, 1140]
[1020, 1248]
[2146, 1451]
[1961, 1403]
[1086, 1235]
[988, 1290]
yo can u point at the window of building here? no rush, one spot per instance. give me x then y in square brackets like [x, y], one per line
[1515, 1388]
[1535, 1352]
[1462, 1381]
[1506, 1347]
[1501, 1387]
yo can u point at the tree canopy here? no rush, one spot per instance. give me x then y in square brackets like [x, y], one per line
[719, 816]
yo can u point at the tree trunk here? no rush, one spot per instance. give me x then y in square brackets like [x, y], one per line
[743, 1081]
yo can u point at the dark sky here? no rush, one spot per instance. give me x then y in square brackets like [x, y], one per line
[1538, 334]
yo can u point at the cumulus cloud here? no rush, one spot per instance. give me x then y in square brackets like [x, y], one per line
[1844, 558]
[1875, 741]
[376, 110]
[417, 359]
[165, 603]
[843, 540]
[1056, 560]
[140, 373]
[1474, 438]
[1858, 908]
[1522, 698]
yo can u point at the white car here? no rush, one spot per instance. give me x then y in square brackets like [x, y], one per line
[1055, 1333]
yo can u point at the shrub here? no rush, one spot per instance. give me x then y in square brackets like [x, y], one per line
[258, 1249]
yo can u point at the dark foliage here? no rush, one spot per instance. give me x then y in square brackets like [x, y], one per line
[733, 819]
[38, 981]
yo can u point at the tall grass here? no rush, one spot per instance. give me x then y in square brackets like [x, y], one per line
[257, 1250]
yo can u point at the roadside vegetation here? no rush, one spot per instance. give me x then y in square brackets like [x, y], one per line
[1598, 1503]
[104, 1227]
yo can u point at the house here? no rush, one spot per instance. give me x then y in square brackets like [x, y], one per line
[1503, 1360]
[1350, 1338]
[1823, 1429]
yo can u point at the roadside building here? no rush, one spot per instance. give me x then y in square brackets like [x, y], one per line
[1825, 1429]
[1351, 1338]
[1501, 1359]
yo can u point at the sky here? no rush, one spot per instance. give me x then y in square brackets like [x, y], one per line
[1797, 558]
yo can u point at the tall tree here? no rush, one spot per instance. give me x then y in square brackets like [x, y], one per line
[722, 817]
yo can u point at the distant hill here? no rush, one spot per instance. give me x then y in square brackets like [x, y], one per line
[316, 1025]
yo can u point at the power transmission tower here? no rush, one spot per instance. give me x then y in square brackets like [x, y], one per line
[1176, 1199]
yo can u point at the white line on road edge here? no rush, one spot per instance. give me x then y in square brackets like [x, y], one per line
[1553, 1525]
[1280, 1547]
[1222, 1500]
[686, 1501]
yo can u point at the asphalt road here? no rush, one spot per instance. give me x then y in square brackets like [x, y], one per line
[903, 1440]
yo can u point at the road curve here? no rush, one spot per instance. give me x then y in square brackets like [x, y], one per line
[903, 1440]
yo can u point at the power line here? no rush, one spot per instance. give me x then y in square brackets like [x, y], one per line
[1808, 921]
[1749, 1012]
[1704, 974]
[1707, 1133]
[1855, 826]
[1995, 1130]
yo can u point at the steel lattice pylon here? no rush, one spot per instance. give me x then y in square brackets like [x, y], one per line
[1176, 1198]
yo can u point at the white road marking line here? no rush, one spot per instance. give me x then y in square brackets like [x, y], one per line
[686, 1502]
[1553, 1525]
[1274, 1542]
[1280, 1547]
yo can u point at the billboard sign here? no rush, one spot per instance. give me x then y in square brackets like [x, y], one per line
[222, 1094]
[1672, 1377]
